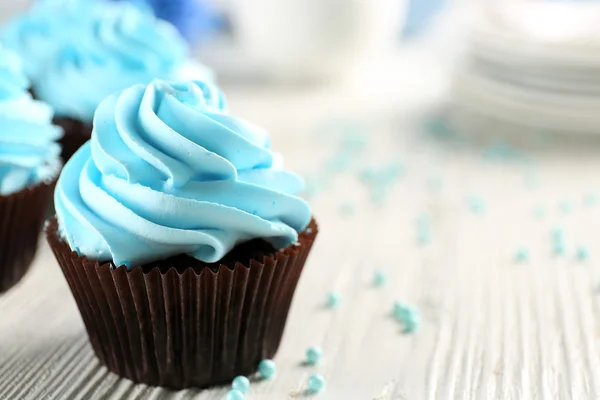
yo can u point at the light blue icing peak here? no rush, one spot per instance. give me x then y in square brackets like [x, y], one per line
[28, 151]
[38, 34]
[168, 171]
[80, 51]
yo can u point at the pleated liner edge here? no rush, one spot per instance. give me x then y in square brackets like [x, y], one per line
[22, 215]
[189, 329]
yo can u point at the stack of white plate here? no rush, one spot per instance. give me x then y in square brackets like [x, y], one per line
[534, 64]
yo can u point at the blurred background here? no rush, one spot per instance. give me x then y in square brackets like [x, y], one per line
[442, 141]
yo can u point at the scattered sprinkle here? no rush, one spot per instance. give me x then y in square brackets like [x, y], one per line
[266, 369]
[407, 316]
[378, 194]
[313, 355]
[559, 250]
[582, 253]
[338, 163]
[539, 212]
[590, 199]
[501, 151]
[347, 209]
[439, 128]
[423, 230]
[558, 242]
[241, 383]
[333, 299]
[522, 255]
[565, 207]
[354, 140]
[476, 204]
[380, 179]
[234, 395]
[316, 383]
[379, 278]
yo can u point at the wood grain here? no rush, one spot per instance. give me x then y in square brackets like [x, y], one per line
[491, 328]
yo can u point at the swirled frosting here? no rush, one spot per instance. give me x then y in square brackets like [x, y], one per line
[38, 34]
[168, 171]
[28, 151]
[123, 45]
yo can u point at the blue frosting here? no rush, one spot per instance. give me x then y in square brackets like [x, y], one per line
[39, 34]
[28, 151]
[168, 171]
[117, 45]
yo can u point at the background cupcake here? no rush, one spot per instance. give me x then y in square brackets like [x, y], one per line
[80, 51]
[39, 34]
[29, 165]
[176, 223]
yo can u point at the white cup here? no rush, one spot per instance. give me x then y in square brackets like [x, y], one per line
[313, 38]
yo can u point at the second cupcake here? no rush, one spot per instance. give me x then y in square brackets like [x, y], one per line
[117, 45]
[29, 166]
[181, 237]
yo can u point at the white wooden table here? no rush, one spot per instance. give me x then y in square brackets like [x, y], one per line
[490, 328]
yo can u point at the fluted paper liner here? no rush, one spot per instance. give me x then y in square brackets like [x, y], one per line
[22, 215]
[76, 133]
[180, 322]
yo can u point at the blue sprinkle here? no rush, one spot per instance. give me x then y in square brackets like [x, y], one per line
[381, 176]
[439, 128]
[500, 151]
[411, 325]
[406, 315]
[266, 369]
[558, 242]
[565, 207]
[333, 299]
[522, 255]
[423, 231]
[378, 195]
[347, 209]
[558, 234]
[353, 141]
[582, 253]
[234, 395]
[313, 355]
[338, 163]
[538, 212]
[590, 199]
[241, 383]
[476, 204]
[379, 278]
[316, 383]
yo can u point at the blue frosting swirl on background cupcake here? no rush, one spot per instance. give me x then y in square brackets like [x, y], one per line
[39, 34]
[168, 171]
[29, 153]
[122, 45]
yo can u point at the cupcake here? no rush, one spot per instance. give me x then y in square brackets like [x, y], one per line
[181, 236]
[112, 46]
[29, 165]
[39, 34]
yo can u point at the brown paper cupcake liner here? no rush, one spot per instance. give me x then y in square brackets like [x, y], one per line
[22, 215]
[180, 322]
[76, 133]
